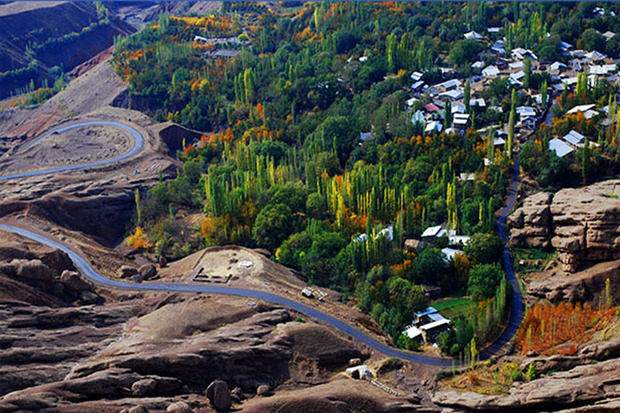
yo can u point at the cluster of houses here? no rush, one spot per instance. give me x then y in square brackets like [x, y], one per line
[511, 66]
[223, 46]
[568, 143]
[427, 325]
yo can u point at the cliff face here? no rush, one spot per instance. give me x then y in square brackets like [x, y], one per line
[583, 224]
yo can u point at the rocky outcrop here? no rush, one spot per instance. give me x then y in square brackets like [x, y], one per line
[218, 394]
[583, 286]
[531, 224]
[583, 385]
[582, 224]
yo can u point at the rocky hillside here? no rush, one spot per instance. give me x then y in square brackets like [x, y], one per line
[69, 346]
[39, 36]
[582, 224]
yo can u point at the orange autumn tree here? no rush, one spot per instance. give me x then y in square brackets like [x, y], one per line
[551, 328]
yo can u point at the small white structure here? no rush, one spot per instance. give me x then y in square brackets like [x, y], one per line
[454, 94]
[523, 111]
[417, 85]
[473, 35]
[418, 117]
[478, 65]
[580, 108]
[467, 176]
[449, 253]
[460, 121]
[516, 65]
[557, 66]
[490, 71]
[361, 372]
[574, 138]
[415, 76]
[478, 102]
[414, 332]
[449, 84]
[433, 127]
[560, 148]
[431, 232]
[387, 233]
[427, 325]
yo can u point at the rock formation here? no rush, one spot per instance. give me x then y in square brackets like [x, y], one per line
[583, 224]
[587, 384]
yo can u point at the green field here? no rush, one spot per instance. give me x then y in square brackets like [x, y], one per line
[452, 307]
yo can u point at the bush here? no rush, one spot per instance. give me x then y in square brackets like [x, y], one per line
[516, 375]
[531, 372]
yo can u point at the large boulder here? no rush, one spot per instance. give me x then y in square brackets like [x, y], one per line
[218, 394]
[179, 407]
[581, 223]
[33, 270]
[147, 271]
[144, 387]
[126, 271]
[72, 281]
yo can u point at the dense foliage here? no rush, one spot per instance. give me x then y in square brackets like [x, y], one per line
[282, 166]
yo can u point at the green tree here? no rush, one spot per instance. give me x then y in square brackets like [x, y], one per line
[292, 251]
[429, 266]
[484, 248]
[483, 281]
[528, 72]
[273, 224]
[467, 95]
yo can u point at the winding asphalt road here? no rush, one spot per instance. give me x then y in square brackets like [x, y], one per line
[138, 144]
[88, 271]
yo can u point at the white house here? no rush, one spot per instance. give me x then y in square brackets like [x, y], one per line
[454, 94]
[360, 372]
[574, 138]
[478, 102]
[580, 108]
[431, 232]
[490, 71]
[433, 127]
[527, 122]
[460, 121]
[560, 148]
[415, 76]
[523, 111]
[516, 65]
[458, 107]
[418, 117]
[473, 35]
[557, 66]
[417, 85]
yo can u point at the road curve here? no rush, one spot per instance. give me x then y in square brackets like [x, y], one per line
[84, 266]
[138, 144]
[88, 271]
